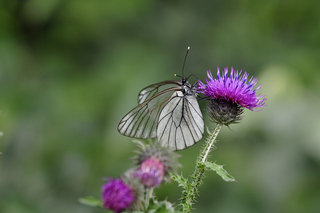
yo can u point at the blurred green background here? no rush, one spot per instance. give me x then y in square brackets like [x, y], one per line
[69, 70]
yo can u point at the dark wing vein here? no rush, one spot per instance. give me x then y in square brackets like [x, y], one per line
[192, 118]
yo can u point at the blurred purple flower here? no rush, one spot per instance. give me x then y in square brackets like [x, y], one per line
[150, 172]
[235, 88]
[117, 195]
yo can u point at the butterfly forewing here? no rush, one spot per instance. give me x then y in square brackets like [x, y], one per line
[180, 122]
[142, 121]
[153, 89]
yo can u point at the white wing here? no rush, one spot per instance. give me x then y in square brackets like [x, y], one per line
[142, 121]
[153, 89]
[180, 122]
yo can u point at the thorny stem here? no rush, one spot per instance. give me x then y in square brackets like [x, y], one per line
[190, 193]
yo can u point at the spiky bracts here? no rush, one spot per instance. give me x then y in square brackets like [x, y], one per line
[154, 164]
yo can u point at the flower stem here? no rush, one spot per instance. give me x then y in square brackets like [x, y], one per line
[148, 196]
[190, 193]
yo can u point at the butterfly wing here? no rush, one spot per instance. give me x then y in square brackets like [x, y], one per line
[142, 121]
[153, 89]
[180, 122]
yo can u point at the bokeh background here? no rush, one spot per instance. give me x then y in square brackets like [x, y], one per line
[69, 70]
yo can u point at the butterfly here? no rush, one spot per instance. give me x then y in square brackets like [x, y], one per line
[167, 110]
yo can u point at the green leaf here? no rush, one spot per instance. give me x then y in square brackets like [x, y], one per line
[160, 207]
[220, 171]
[91, 201]
[182, 182]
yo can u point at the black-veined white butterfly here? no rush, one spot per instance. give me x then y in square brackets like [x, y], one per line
[167, 110]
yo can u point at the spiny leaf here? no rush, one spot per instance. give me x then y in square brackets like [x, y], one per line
[91, 201]
[220, 171]
[182, 182]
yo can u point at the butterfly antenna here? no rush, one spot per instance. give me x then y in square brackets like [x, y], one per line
[184, 61]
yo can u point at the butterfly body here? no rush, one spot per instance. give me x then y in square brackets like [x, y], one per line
[188, 89]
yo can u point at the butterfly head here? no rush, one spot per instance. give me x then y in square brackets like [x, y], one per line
[184, 80]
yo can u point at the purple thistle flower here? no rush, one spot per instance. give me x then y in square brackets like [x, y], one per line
[155, 163]
[117, 195]
[228, 95]
[236, 88]
[151, 172]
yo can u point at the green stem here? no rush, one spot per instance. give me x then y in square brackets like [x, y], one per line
[190, 194]
[148, 196]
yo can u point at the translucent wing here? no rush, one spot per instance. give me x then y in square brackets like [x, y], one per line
[142, 121]
[180, 122]
[153, 89]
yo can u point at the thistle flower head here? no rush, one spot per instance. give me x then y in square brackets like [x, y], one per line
[117, 195]
[150, 172]
[154, 164]
[229, 94]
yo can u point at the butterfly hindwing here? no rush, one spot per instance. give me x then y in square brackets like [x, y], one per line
[180, 122]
